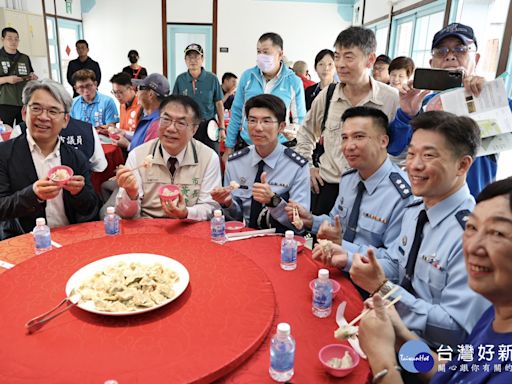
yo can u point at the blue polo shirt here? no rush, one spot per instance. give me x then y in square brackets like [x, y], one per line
[102, 110]
[206, 91]
[142, 128]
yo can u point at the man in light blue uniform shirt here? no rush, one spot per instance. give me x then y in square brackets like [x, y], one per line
[269, 174]
[369, 223]
[426, 259]
[91, 106]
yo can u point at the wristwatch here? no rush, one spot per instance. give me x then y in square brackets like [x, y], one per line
[274, 201]
[388, 286]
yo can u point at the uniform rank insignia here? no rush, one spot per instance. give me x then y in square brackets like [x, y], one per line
[240, 153]
[462, 217]
[401, 185]
[298, 159]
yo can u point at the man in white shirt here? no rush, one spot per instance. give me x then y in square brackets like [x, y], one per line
[177, 159]
[26, 191]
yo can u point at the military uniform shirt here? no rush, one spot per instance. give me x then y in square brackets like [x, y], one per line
[287, 175]
[387, 193]
[445, 309]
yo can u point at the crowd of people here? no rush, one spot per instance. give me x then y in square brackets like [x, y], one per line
[354, 160]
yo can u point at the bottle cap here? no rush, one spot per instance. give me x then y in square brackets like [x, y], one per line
[217, 213]
[283, 329]
[289, 234]
[40, 221]
[111, 210]
[323, 274]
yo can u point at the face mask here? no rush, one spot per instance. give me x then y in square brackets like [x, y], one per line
[265, 62]
[133, 59]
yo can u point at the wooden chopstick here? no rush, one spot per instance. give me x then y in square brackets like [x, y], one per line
[395, 288]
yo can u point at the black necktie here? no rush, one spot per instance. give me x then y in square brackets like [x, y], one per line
[171, 164]
[255, 206]
[350, 233]
[413, 254]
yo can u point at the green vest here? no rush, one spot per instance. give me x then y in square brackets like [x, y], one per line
[10, 94]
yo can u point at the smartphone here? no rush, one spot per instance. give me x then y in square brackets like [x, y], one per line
[437, 79]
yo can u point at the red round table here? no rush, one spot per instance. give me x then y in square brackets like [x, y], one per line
[291, 292]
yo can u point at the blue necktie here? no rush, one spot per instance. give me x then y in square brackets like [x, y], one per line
[255, 206]
[350, 232]
[413, 253]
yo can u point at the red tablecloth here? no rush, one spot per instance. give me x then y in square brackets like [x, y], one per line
[115, 157]
[292, 295]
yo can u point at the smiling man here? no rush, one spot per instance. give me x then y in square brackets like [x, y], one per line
[269, 174]
[363, 220]
[177, 159]
[426, 259]
[26, 192]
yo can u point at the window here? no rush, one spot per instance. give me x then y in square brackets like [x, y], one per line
[487, 18]
[381, 34]
[412, 32]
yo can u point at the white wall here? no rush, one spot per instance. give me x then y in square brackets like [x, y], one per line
[197, 11]
[306, 28]
[376, 9]
[114, 27]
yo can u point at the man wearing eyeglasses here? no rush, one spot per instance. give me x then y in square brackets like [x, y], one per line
[268, 173]
[26, 192]
[125, 93]
[177, 158]
[453, 48]
[16, 69]
[92, 106]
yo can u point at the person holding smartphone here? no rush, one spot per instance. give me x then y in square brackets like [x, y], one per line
[453, 48]
[15, 71]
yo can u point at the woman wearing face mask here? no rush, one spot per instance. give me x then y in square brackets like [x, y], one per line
[324, 67]
[134, 69]
[269, 75]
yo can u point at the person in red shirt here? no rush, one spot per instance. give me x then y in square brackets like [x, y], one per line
[301, 70]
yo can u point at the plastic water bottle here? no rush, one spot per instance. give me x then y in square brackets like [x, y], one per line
[227, 117]
[112, 222]
[218, 227]
[282, 354]
[42, 237]
[288, 252]
[322, 294]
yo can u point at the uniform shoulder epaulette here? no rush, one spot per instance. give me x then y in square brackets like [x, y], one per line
[401, 185]
[349, 172]
[415, 203]
[462, 217]
[299, 159]
[240, 153]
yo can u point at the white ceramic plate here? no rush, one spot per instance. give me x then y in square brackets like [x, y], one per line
[89, 270]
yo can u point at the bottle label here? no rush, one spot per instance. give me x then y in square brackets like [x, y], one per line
[112, 226]
[322, 296]
[282, 357]
[288, 254]
[43, 241]
[218, 229]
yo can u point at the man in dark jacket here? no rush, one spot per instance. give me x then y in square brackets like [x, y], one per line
[26, 191]
[83, 61]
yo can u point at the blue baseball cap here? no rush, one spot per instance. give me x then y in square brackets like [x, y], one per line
[460, 31]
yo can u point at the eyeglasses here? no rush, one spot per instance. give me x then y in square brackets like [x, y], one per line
[84, 87]
[119, 92]
[459, 50]
[167, 122]
[52, 113]
[265, 123]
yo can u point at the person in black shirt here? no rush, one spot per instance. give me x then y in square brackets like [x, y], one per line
[324, 67]
[83, 61]
[134, 69]
[229, 81]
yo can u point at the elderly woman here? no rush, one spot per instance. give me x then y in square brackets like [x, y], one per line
[487, 243]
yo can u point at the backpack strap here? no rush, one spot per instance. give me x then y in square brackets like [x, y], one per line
[330, 92]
